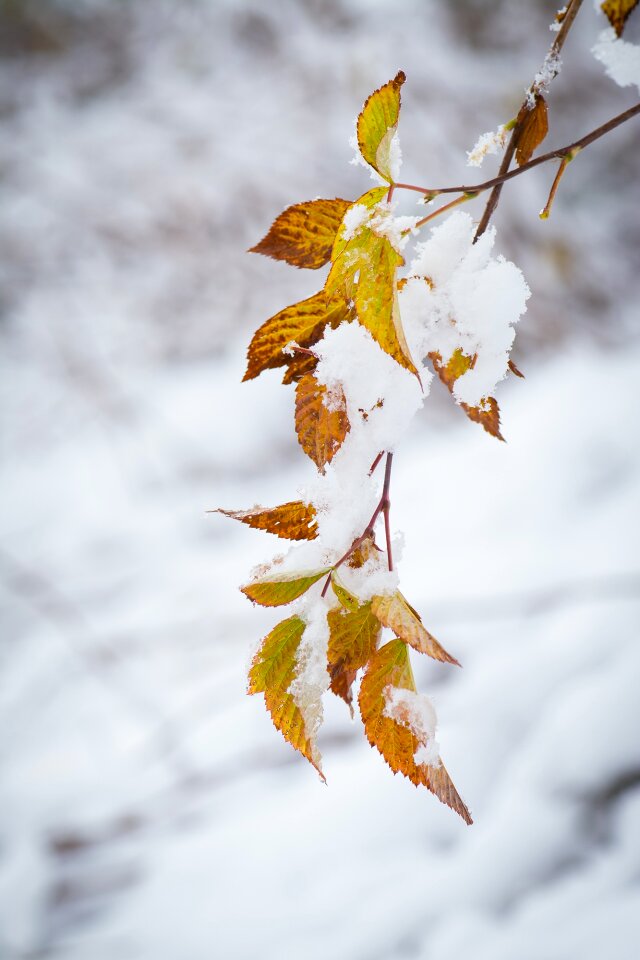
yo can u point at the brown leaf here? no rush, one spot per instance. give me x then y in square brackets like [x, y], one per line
[618, 12]
[362, 553]
[341, 684]
[390, 667]
[298, 365]
[515, 370]
[291, 521]
[320, 430]
[272, 672]
[393, 611]
[303, 322]
[533, 127]
[377, 125]
[303, 234]
[487, 413]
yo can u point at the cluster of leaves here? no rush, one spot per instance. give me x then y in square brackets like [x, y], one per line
[361, 286]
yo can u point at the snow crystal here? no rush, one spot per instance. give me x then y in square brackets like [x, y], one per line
[416, 712]
[355, 218]
[459, 297]
[620, 59]
[549, 69]
[487, 143]
[395, 157]
[397, 230]
[312, 679]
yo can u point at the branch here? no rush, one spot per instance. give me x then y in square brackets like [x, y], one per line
[553, 54]
[562, 153]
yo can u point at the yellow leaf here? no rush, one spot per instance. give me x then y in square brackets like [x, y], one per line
[291, 521]
[368, 200]
[303, 234]
[302, 322]
[390, 667]
[272, 672]
[366, 269]
[353, 636]
[487, 413]
[377, 125]
[618, 12]
[320, 430]
[281, 590]
[393, 611]
[533, 128]
[347, 599]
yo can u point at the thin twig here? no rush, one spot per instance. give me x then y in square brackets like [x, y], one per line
[544, 214]
[383, 507]
[559, 154]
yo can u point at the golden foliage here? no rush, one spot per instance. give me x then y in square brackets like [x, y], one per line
[353, 636]
[617, 12]
[393, 611]
[277, 592]
[303, 234]
[487, 413]
[377, 125]
[320, 430]
[272, 672]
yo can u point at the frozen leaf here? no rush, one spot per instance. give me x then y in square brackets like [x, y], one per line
[366, 202]
[303, 234]
[291, 521]
[389, 667]
[302, 323]
[321, 420]
[393, 611]
[272, 672]
[277, 592]
[362, 553]
[377, 125]
[533, 128]
[353, 636]
[617, 12]
[365, 271]
[348, 601]
[487, 413]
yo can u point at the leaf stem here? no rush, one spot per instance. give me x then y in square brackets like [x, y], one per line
[383, 507]
[453, 203]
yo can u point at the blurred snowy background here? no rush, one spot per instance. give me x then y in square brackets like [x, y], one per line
[148, 809]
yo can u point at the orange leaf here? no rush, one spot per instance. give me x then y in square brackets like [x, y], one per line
[341, 683]
[303, 234]
[487, 413]
[390, 667]
[320, 430]
[618, 12]
[514, 370]
[272, 672]
[277, 592]
[377, 125]
[291, 521]
[302, 322]
[533, 128]
[393, 611]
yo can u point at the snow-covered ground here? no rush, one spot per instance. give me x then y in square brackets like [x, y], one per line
[148, 809]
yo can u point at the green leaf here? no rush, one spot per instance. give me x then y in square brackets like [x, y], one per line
[281, 590]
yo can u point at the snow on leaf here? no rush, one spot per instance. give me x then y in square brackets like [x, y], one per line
[291, 521]
[487, 413]
[366, 271]
[346, 231]
[347, 599]
[533, 128]
[281, 590]
[303, 234]
[618, 12]
[390, 667]
[303, 323]
[377, 125]
[272, 672]
[353, 636]
[321, 420]
[393, 611]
